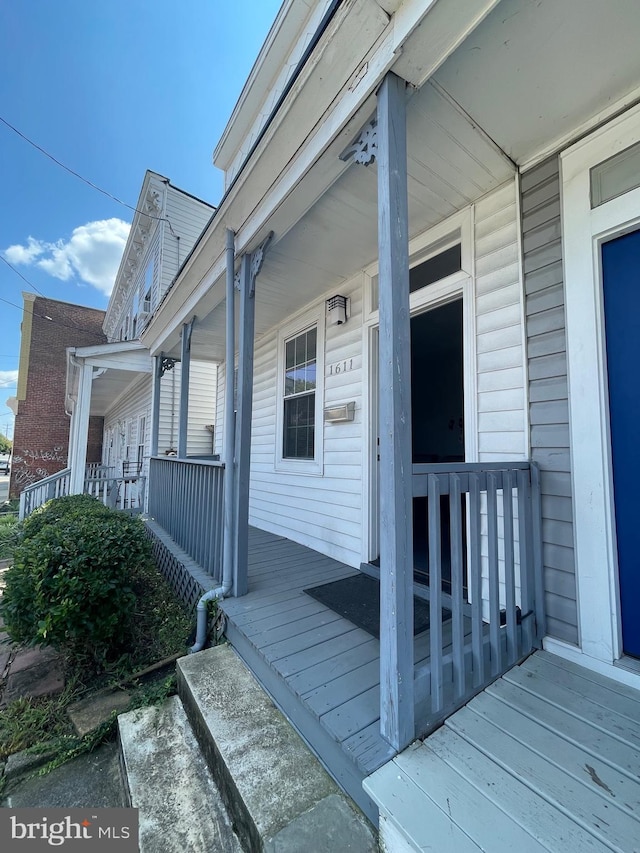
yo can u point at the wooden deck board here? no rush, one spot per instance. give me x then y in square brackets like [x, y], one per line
[330, 665]
[551, 750]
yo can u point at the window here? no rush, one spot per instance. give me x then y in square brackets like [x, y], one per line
[142, 432]
[298, 434]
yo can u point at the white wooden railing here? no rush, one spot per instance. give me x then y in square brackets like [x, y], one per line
[53, 486]
[126, 493]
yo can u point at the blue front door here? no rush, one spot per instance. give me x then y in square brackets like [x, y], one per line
[621, 282]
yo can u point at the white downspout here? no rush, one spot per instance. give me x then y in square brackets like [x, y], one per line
[229, 454]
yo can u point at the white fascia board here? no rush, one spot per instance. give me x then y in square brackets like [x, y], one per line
[115, 348]
[134, 364]
[278, 44]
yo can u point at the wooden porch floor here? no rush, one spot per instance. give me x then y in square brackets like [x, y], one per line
[545, 759]
[319, 668]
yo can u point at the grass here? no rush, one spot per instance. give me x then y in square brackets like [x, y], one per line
[162, 629]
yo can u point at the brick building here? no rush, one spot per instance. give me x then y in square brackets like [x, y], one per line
[41, 433]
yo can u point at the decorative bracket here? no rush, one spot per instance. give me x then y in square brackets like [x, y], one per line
[364, 148]
[255, 260]
[187, 329]
[98, 371]
[166, 363]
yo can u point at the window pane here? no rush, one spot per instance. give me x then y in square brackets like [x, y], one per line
[428, 272]
[312, 335]
[615, 176]
[299, 425]
[436, 268]
[290, 350]
[300, 363]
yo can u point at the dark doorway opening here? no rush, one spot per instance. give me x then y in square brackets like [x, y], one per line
[437, 420]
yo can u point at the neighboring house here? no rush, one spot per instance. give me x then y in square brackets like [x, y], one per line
[41, 435]
[115, 380]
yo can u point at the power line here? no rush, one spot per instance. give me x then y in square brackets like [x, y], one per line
[74, 173]
[17, 272]
[86, 180]
[59, 323]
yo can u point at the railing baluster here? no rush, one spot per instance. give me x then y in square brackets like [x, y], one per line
[457, 591]
[526, 579]
[186, 500]
[435, 595]
[494, 576]
[475, 580]
[509, 568]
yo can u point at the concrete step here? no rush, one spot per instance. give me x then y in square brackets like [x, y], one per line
[167, 779]
[280, 798]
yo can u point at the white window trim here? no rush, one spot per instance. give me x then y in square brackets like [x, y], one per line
[314, 466]
[584, 231]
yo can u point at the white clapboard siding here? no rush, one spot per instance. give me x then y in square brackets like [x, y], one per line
[500, 355]
[188, 217]
[499, 329]
[121, 424]
[322, 512]
[202, 409]
[548, 395]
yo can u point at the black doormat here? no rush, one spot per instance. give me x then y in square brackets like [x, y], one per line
[357, 598]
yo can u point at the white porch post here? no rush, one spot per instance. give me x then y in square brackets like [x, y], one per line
[397, 713]
[80, 430]
[185, 365]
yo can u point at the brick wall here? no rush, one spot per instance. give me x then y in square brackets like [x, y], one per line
[41, 431]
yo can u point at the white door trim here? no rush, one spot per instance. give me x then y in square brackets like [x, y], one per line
[460, 285]
[584, 231]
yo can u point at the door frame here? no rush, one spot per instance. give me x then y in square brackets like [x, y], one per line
[584, 232]
[459, 285]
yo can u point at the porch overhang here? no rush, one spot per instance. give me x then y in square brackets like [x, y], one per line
[115, 366]
[485, 106]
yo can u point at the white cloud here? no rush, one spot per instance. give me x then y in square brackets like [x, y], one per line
[92, 253]
[8, 378]
[25, 254]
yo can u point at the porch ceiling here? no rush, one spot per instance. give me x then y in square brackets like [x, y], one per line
[532, 75]
[110, 387]
[451, 163]
[533, 72]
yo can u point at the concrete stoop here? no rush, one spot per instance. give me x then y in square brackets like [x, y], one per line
[167, 779]
[221, 761]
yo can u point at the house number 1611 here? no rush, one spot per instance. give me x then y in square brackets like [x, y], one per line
[340, 367]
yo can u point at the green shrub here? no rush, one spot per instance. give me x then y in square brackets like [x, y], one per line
[71, 585]
[8, 534]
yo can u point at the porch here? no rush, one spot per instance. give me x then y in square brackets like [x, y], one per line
[546, 758]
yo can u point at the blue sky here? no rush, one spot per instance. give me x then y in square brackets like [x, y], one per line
[109, 89]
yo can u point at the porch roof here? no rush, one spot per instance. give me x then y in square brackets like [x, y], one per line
[117, 365]
[493, 93]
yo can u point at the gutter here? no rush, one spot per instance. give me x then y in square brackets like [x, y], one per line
[220, 592]
[322, 27]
